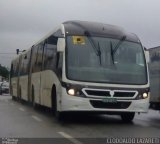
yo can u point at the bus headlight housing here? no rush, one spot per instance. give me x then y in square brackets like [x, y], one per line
[71, 92]
[73, 89]
[145, 95]
[74, 92]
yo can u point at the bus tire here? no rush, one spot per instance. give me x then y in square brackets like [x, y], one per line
[58, 115]
[127, 117]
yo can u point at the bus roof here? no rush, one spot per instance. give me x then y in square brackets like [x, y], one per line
[97, 29]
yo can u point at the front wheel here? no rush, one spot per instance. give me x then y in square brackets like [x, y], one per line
[127, 117]
[58, 115]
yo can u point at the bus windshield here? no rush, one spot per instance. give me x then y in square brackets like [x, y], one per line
[94, 59]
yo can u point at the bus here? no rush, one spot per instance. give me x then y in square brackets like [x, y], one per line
[84, 67]
[154, 69]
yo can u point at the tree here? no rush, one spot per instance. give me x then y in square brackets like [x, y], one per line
[4, 72]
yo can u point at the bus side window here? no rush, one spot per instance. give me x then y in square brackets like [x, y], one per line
[22, 66]
[34, 58]
[50, 53]
[38, 54]
[59, 63]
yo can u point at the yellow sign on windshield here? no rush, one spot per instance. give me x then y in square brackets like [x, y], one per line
[78, 40]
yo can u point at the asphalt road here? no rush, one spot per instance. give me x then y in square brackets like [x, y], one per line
[22, 121]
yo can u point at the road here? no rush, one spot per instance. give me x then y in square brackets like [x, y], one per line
[22, 121]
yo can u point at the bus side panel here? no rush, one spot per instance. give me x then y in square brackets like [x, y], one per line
[36, 86]
[14, 82]
[48, 79]
[23, 81]
[14, 75]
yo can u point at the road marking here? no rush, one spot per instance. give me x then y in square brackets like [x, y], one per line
[143, 119]
[36, 118]
[143, 124]
[70, 138]
[21, 109]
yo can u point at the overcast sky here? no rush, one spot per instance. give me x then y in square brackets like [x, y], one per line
[23, 22]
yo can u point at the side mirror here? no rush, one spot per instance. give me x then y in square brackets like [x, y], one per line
[61, 44]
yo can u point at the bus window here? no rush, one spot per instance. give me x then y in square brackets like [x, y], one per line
[50, 53]
[38, 53]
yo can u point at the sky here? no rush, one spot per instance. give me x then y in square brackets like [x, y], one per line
[24, 22]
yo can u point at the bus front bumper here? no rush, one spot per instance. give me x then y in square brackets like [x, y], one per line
[74, 103]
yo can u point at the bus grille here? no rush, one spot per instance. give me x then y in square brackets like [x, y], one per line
[124, 94]
[99, 93]
[117, 105]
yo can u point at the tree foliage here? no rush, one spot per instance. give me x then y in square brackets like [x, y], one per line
[4, 72]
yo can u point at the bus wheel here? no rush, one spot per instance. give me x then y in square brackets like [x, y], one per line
[127, 116]
[58, 115]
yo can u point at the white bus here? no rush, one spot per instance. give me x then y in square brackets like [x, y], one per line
[84, 67]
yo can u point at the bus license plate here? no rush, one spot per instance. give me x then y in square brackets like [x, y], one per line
[109, 100]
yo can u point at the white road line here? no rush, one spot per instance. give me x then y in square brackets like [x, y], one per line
[143, 124]
[21, 109]
[70, 138]
[143, 119]
[36, 118]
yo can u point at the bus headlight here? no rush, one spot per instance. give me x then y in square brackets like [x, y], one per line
[145, 95]
[71, 92]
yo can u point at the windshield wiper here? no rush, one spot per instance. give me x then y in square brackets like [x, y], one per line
[112, 54]
[96, 48]
[118, 44]
[99, 53]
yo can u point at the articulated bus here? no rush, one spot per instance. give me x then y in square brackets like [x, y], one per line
[84, 67]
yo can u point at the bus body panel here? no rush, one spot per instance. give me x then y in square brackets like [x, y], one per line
[14, 84]
[36, 87]
[43, 95]
[48, 79]
[23, 87]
